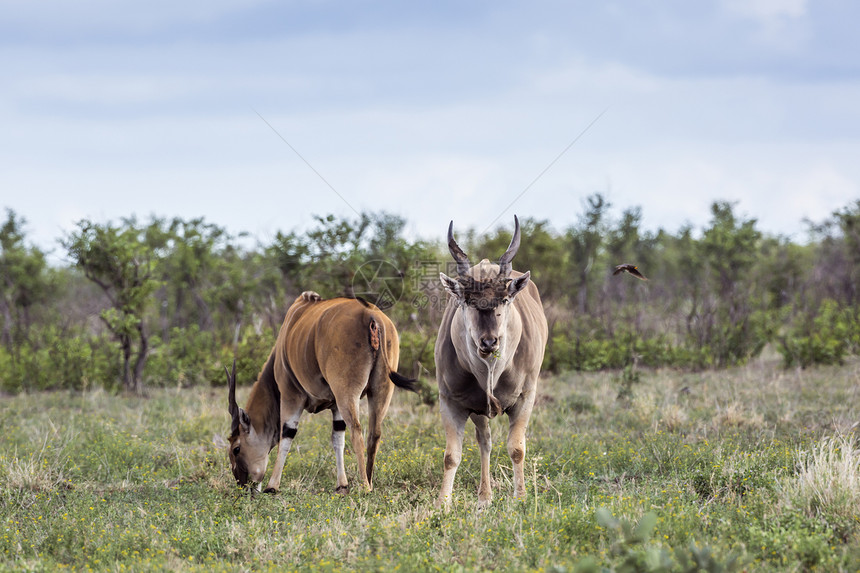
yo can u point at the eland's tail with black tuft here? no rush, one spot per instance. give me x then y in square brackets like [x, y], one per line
[403, 382]
[378, 339]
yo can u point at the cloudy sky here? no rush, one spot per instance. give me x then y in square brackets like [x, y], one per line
[258, 114]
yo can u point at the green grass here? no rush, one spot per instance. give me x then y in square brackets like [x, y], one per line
[755, 467]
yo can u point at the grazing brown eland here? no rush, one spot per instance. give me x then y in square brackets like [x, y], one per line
[329, 353]
[488, 356]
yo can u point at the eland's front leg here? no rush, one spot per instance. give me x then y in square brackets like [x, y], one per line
[519, 420]
[454, 420]
[290, 415]
[485, 445]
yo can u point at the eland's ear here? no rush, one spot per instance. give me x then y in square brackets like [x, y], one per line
[518, 284]
[453, 286]
[244, 420]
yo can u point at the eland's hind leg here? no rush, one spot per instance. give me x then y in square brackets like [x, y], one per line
[519, 416]
[338, 440]
[377, 405]
[348, 406]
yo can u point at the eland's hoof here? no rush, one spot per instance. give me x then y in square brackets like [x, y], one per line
[270, 490]
[342, 489]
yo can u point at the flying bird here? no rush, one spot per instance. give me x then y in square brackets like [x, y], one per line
[628, 268]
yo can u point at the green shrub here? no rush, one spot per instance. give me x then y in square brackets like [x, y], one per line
[416, 353]
[53, 359]
[251, 354]
[825, 337]
[589, 350]
[191, 356]
[183, 360]
[732, 340]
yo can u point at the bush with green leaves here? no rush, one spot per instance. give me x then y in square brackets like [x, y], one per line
[183, 293]
[184, 359]
[593, 349]
[53, 359]
[826, 336]
[417, 361]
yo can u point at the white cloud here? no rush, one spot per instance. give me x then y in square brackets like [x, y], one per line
[431, 122]
[114, 90]
[768, 10]
[781, 22]
[114, 17]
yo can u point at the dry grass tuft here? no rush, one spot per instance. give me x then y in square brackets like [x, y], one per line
[736, 416]
[828, 481]
[673, 417]
[38, 471]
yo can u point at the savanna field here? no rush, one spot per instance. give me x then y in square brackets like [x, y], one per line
[754, 468]
[701, 418]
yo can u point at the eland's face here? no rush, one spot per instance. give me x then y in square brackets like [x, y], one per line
[484, 306]
[249, 453]
[484, 324]
[484, 315]
[247, 449]
[484, 294]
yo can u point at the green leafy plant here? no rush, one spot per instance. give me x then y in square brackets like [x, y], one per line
[632, 551]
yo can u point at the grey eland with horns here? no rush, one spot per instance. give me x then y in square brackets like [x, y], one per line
[488, 356]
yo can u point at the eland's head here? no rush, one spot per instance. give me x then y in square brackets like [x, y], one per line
[248, 448]
[484, 293]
